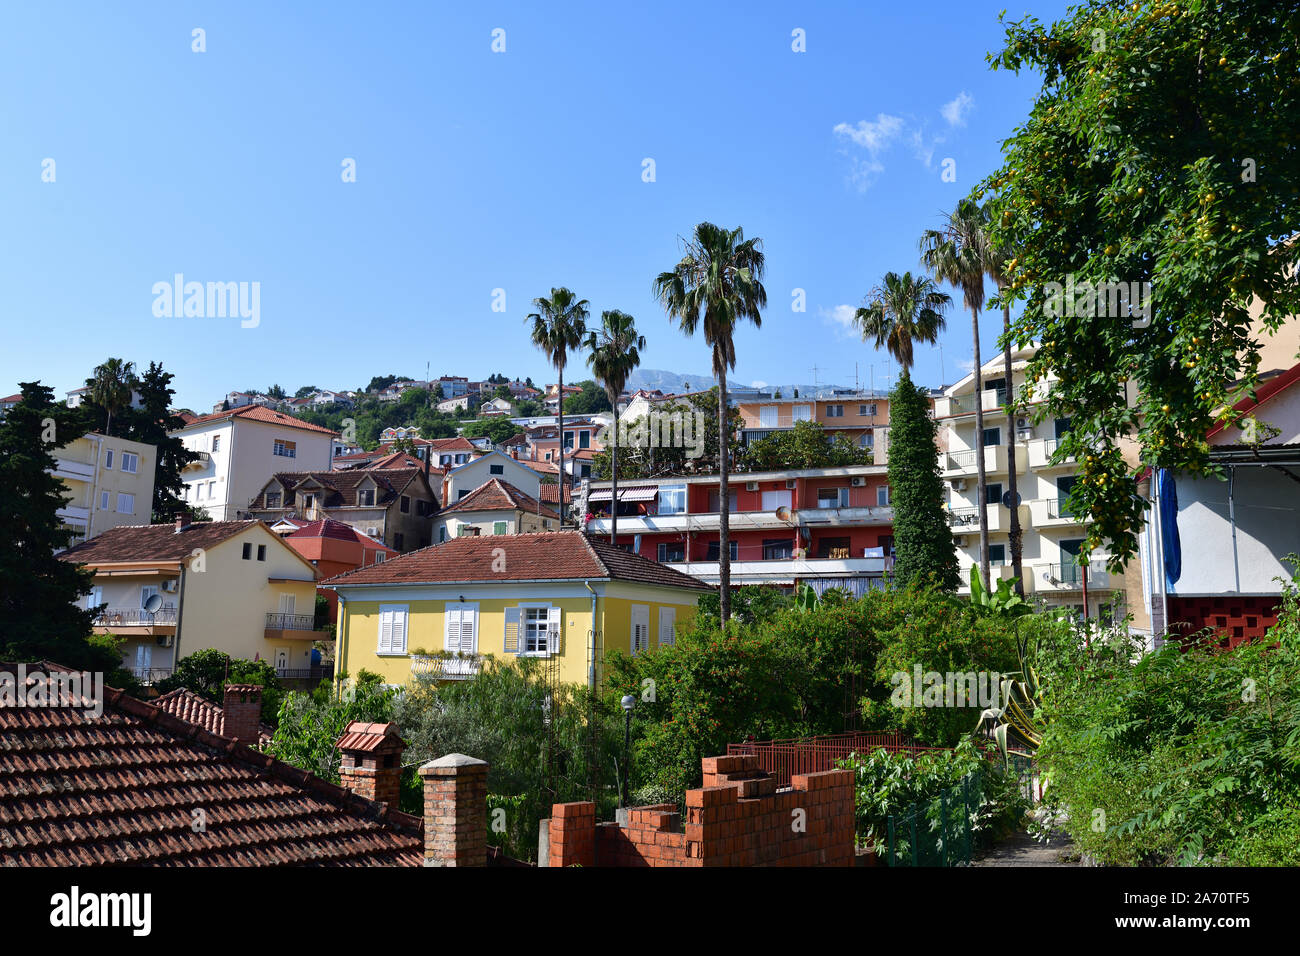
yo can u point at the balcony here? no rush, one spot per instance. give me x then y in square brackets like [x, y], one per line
[129, 621]
[743, 520]
[74, 516]
[955, 406]
[1000, 572]
[71, 470]
[198, 464]
[294, 627]
[1041, 451]
[1070, 577]
[960, 463]
[966, 520]
[439, 667]
[787, 570]
[1053, 513]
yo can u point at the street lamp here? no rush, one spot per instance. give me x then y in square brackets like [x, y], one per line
[628, 702]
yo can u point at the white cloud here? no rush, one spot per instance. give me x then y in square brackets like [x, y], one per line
[872, 137]
[955, 110]
[841, 318]
[966, 365]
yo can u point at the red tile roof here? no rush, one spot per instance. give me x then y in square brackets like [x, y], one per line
[498, 495]
[153, 542]
[196, 709]
[329, 528]
[369, 737]
[341, 486]
[551, 493]
[121, 788]
[541, 556]
[257, 413]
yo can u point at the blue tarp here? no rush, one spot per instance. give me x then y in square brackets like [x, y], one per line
[1171, 545]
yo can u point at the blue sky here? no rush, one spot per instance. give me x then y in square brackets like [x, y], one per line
[475, 171]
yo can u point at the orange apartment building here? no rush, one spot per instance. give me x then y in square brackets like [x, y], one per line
[861, 416]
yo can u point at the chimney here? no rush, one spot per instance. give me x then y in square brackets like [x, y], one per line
[372, 761]
[242, 712]
[182, 521]
[455, 811]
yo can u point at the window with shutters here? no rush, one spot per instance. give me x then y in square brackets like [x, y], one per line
[532, 630]
[667, 626]
[500, 527]
[392, 628]
[640, 636]
[125, 504]
[777, 499]
[461, 628]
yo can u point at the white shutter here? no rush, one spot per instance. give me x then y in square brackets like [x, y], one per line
[640, 639]
[511, 643]
[667, 623]
[468, 631]
[451, 637]
[776, 499]
[385, 632]
[392, 628]
[553, 623]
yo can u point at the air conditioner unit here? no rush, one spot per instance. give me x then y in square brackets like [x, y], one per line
[960, 540]
[1022, 422]
[165, 641]
[1025, 434]
[790, 483]
[751, 486]
[959, 484]
[859, 482]
[171, 585]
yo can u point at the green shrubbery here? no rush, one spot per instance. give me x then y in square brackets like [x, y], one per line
[207, 673]
[1184, 755]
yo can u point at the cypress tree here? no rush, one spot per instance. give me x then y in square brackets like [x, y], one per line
[922, 538]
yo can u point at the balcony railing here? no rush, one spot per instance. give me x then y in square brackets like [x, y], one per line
[148, 675]
[135, 617]
[1071, 576]
[290, 622]
[319, 672]
[440, 667]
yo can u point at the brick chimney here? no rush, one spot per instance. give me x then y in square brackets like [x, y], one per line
[372, 761]
[242, 712]
[455, 811]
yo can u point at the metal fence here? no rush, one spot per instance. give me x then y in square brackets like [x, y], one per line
[938, 831]
[785, 758]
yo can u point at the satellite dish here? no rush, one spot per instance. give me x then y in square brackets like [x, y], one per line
[1009, 501]
[153, 602]
[783, 513]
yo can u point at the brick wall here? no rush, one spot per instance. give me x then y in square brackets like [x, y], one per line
[738, 818]
[1234, 618]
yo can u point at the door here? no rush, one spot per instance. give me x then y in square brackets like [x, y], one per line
[143, 660]
[281, 660]
[287, 610]
[802, 413]
[767, 416]
[1071, 572]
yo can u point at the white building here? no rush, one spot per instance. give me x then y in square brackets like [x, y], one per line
[109, 482]
[1051, 537]
[241, 449]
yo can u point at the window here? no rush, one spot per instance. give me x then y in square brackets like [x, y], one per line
[125, 504]
[882, 496]
[584, 439]
[672, 500]
[640, 636]
[216, 443]
[833, 498]
[998, 385]
[398, 540]
[405, 505]
[667, 626]
[868, 440]
[568, 441]
[273, 499]
[867, 410]
[997, 554]
[366, 497]
[130, 463]
[103, 501]
[585, 471]
[500, 527]
[993, 493]
[496, 469]
[887, 542]
[422, 508]
[261, 552]
[1061, 426]
[801, 413]
[108, 459]
[392, 628]
[715, 549]
[776, 499]
[212, 490]
[461, 459]
[442, 534]
[833, 548]
[672, 551]
[444, 459]
[248, 551]
[777, 549]
[285, 449]
[462, 493]
[546, 524]
[767, 416]
[1064, 485]
[715, 502]
[992, 436]
[834, 411]
[540, 630]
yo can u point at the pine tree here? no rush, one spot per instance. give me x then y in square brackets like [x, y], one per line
[40, 594]
[922, 538]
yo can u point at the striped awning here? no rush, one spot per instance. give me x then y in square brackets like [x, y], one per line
[649, 493]
[602, 494]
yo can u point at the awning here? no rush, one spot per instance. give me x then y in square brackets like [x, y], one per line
[639, 494]
[603, 494]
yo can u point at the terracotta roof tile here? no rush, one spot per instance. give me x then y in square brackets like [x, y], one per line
[153, 542]
[498, 495]
[342, 485]
[121, 787]
[257, 413]
[542, 556]
[196, 709]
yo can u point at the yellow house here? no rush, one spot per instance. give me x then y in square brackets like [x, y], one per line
[173, 589]
[557, 595]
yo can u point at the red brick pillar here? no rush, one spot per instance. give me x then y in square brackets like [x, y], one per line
[573, 834]
[455, 811]
[242, 712]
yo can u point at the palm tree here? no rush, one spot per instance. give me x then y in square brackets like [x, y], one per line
[558, 326]
[958, 254]
[903, 310]
[717, 283]
[111, 387]
[614, 352]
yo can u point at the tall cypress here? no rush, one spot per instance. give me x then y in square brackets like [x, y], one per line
[40, 612]
[922, 537]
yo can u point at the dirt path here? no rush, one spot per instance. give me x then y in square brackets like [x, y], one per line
[1020, 849]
